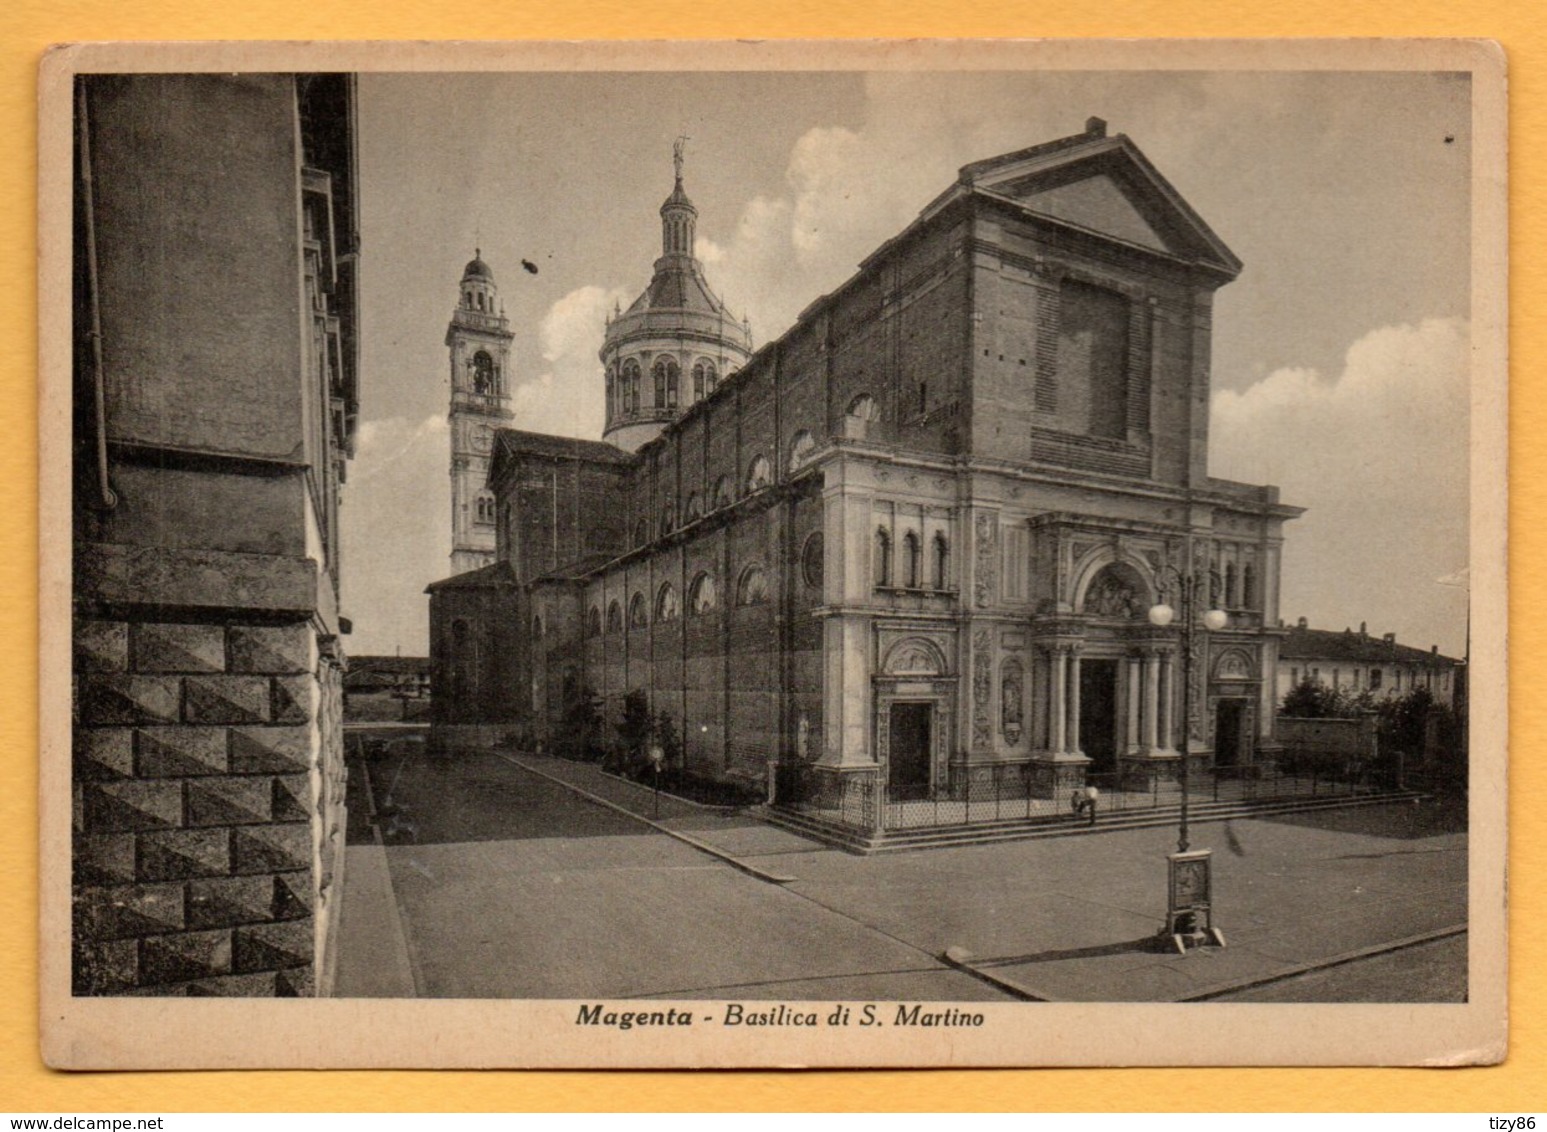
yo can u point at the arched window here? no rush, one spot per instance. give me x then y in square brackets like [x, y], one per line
[702, 596]
[864, 408]
[800, 449]
[668, 519]
[911, 561]
[1248, 586]
[666, 607]
[758, 475]
[704, 378]
[882, 556]
[722, 492]
[665, 372]
[942, 563]
[593, 623]
[753, 587]
[485, 508]
[483, 374]
[1230, 594]
[638, 612]
[537, 627]
[614, 617]
[811, 560]
[693, 509]
[631, 379]
[612, 391]
[642, 532]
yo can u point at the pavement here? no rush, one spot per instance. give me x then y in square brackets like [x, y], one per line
[497, 875]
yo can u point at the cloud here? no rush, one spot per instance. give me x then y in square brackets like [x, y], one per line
[1378, 455]
[567, 398]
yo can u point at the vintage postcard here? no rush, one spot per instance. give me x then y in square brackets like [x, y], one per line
[773, 554]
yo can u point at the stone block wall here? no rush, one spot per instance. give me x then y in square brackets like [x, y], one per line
[208, 809]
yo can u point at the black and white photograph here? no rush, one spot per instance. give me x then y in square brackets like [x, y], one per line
[741, 555]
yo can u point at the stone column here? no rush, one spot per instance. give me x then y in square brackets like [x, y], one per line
[1151, 700]
[1168, 702]
[1059, 655]
[1074, 701]
[1131, 688]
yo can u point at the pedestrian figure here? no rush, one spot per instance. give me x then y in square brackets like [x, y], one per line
[1083, 801]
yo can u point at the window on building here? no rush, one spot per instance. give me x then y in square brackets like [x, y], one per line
[631, 382]
[1230, 594]
[702, 596]
[1375, 678]
[911, 561]
[704, 378]
[811, 564]
[638, 612]
[612, 390]
[665, 372]
[722, 493]
[753, 587]
[800, 449]
[668, 519]
[593, 622]
[537, 627]
[864, 408]
[666, 608]
[882, 557]
[1249, 586]
[614, 617]
[641, 532]
[483, 374]
[693, 509]
[923, 405]
[942, 562]
[759, 475]
[1294, 677]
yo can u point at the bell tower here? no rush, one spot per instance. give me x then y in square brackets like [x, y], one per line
[479, 340]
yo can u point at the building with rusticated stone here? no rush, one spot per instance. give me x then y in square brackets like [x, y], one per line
[216, 311]
[912, 542]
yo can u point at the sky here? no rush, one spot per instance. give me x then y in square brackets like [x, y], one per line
[1339, 356]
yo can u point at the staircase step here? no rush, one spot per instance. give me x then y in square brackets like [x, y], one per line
[865, 842]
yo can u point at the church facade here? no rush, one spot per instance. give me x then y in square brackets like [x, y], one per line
[913, 541]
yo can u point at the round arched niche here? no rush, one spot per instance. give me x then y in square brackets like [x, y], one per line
[1234, 664]
[1116, 590]
[914, 656]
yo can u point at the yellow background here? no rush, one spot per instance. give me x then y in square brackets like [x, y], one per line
[27, 27]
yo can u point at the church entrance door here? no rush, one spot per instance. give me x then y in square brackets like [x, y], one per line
[908, 750]
[1098, 713]
[1228, 732]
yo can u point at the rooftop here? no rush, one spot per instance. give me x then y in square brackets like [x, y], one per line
[1357, 646]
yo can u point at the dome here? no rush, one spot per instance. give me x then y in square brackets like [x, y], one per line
[476, 268]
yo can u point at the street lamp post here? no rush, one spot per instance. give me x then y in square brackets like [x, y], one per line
[1189, 890]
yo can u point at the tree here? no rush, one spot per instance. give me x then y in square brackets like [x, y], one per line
[1310, 699]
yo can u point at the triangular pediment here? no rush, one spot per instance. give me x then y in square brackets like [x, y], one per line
[1103, 185]
[1099, 204]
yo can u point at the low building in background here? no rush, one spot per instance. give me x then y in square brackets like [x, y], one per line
[1354, 663]
[387, 689]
